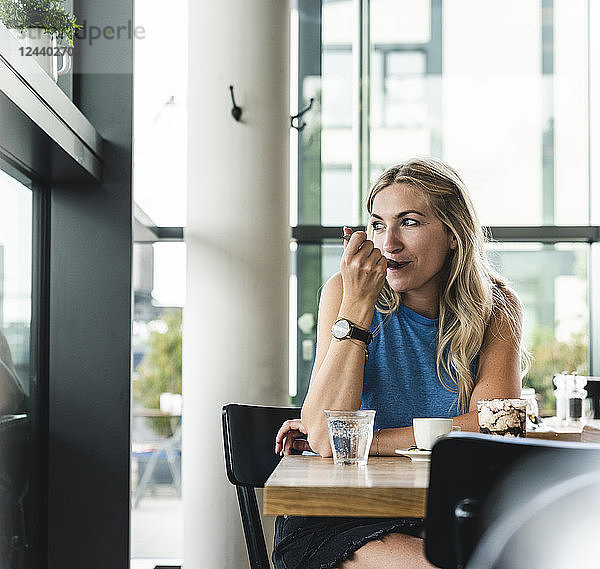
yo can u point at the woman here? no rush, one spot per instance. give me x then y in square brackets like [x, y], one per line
[446, 332]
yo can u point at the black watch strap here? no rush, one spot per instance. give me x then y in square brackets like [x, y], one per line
[359, 334]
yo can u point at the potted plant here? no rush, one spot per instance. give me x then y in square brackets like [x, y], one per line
[40, 25]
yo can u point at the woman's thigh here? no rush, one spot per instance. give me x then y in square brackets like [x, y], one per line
[395, 550]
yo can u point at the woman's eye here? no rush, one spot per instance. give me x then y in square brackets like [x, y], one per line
[408, 222]
[376, 225]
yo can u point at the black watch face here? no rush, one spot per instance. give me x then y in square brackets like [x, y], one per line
[340, 328]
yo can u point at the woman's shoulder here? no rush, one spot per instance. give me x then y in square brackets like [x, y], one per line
[332, 291]
[505, 300]
[333, 286]
[507, 313]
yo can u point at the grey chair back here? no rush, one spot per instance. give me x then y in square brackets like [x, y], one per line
[466, 471]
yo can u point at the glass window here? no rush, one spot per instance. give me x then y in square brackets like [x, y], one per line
[325, 144]
[334, 187]
[160, 168]
[399, 96]
[337, 87]
[511, 116]
[15, 363]
[160, 118]
[552, 282]
[15, 286]
[157, 516]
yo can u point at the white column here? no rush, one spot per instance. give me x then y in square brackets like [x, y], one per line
[235, 346]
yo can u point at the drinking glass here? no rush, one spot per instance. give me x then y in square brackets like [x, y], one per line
[350, 435]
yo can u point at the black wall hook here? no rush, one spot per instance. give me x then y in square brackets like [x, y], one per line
[301, 124]
[236, 111]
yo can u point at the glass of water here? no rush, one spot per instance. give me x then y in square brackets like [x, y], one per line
[350, 435]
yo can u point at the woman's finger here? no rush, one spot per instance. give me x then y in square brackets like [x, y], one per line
[366, 248]
[296, 444]
[355, 242]
[290, 441]
[376, 254]
[288, 426]
[302, 445]
[347, 233]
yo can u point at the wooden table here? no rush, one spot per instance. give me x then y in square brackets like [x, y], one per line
[574, 435]
[314, 486]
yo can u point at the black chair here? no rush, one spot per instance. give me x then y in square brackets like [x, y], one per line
[467, 470]
[249, 442]
[548, 526]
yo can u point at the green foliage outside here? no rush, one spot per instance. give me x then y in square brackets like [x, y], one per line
[48, 15]
[160, 370]
[551, 357]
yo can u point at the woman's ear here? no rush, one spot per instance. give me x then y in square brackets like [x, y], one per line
[453, 242]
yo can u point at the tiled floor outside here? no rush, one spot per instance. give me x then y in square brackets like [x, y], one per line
[157, 521]
[157, 532]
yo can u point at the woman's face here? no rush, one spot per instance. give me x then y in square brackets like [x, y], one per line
[405, 229]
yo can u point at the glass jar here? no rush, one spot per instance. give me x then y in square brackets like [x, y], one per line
[533, 412]
[562, 400]
[570, 394]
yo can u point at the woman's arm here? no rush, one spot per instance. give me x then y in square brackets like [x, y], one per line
[498, 376]
[499, 369]
[337, 376]
[402, 438]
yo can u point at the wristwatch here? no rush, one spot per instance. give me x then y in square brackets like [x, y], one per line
[342, 328]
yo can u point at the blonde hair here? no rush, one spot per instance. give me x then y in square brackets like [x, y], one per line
[471, 291]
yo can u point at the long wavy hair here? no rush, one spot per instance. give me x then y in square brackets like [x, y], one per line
[471, 292]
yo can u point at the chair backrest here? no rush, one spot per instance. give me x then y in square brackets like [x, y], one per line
[249, 443]
[249, 439]
[465, 470]
[542, 526]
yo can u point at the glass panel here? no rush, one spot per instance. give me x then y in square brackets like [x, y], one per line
[512, 116]
[157, 515]
[160, 155]
[336, 208]
[160, 121]
[400, 99]
[550, 280]
[336, 98]
[325, 144]
[15, 364]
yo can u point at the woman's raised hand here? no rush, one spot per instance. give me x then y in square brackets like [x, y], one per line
[363, 268]
[291, 436]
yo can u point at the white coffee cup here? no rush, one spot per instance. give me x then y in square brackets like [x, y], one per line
[427, 430]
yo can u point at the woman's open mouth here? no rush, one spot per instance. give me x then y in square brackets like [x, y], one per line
[396, 265]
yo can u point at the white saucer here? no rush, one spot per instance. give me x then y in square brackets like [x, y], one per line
[415, 455]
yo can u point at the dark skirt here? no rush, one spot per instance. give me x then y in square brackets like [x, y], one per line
[322, 543]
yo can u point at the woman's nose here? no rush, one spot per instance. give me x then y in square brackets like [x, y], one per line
[392, 242]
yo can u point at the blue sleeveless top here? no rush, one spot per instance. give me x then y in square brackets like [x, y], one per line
[400, 380]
